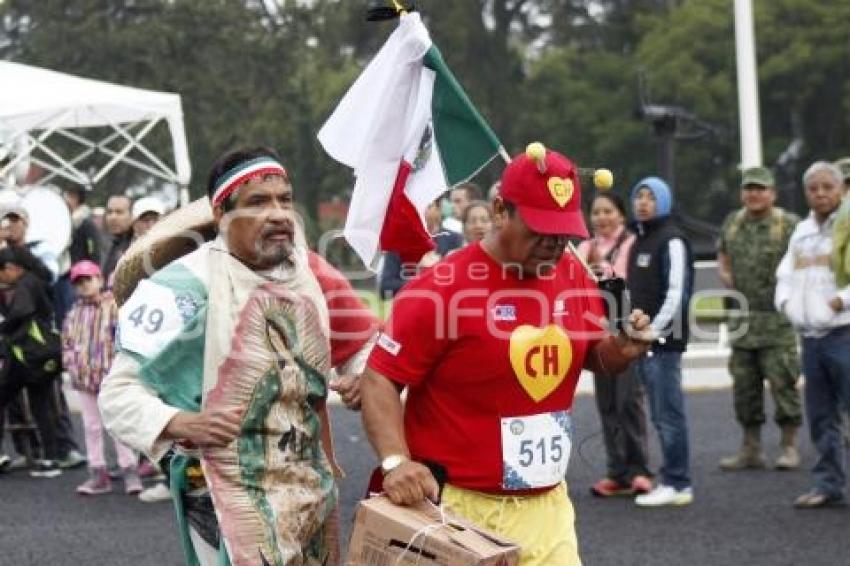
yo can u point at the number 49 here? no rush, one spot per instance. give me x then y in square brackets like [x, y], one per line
[150, 323]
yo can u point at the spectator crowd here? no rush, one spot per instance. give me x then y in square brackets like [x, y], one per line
[59, 317]
[788, 313]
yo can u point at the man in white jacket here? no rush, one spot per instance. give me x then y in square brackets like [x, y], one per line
[808, 295]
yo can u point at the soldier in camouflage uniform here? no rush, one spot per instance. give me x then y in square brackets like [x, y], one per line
[752, 242]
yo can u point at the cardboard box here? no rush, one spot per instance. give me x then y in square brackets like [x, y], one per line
[386, 534]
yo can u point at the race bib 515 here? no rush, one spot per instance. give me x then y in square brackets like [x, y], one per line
[535, 450]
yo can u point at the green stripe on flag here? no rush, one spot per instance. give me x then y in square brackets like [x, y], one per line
[465, 140]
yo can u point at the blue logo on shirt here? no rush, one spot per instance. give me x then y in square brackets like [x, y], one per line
[504, 312]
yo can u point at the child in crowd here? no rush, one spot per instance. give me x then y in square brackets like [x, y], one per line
[88, 347]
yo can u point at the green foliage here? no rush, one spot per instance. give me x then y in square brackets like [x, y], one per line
[560, 71]
[590, 100]
[803, 55]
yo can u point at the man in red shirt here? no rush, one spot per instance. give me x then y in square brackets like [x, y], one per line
[490, 343]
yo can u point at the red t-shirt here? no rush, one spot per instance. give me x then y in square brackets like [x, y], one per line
[475, 344]
[351, 323]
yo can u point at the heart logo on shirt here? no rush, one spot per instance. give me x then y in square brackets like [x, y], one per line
[541, 358]
[561, 190]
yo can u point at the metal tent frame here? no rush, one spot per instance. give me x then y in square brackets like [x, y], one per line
[41, 106]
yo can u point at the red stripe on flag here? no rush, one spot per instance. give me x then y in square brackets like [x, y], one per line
[403, 231]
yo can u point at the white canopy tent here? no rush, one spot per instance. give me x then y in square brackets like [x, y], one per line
[39, 106]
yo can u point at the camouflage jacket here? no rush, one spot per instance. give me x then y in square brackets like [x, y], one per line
[755, 248]
[841, 245]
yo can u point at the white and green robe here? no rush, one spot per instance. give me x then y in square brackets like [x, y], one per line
[207, 331]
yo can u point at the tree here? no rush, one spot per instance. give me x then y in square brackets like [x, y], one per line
[689, 55]
[564, 72]
[580, 103]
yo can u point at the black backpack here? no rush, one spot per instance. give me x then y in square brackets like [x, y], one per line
[38, 348]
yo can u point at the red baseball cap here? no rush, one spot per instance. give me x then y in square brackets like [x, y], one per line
[545, 188]
[84, 268]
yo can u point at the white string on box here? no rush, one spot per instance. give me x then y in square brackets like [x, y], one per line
[424, 531]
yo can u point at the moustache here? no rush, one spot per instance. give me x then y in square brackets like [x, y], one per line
[284, 229]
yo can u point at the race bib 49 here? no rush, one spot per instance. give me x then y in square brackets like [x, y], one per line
[149, 320]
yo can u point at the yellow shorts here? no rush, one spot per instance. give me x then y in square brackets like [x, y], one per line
[543, 525]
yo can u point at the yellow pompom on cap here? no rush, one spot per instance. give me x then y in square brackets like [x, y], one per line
[603, 179]
[536, 151]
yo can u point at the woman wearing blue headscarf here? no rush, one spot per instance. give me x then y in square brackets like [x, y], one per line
[660, 276]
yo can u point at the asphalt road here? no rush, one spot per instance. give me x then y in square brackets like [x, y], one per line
[737, 518]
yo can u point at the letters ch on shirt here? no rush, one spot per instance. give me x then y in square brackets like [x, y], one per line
[540, 358]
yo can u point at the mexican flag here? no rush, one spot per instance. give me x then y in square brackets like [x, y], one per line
[410, 132]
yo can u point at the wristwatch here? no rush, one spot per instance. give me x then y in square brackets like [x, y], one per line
[392, 462]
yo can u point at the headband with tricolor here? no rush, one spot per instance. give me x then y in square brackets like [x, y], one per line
[244, 172]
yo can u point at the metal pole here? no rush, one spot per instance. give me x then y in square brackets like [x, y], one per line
[748, 98]
[667, 158]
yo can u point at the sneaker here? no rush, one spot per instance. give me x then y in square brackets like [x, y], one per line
[665, 495]
[132, 482]
[610, 488]
[641, 485]
[158, 492]
[45, 469]
[18, 463]
[815, 499]
[97, 484]
[72, 460]
[5, 463]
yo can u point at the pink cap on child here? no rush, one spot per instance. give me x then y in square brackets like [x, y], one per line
[85, 268]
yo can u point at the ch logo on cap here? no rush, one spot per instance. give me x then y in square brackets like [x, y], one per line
[561, 190]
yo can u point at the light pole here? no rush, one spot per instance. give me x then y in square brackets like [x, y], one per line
[748, 97]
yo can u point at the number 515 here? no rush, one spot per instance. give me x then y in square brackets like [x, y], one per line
[553, 449]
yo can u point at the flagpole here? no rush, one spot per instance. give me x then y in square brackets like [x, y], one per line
[399, 8]
[504, 154]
